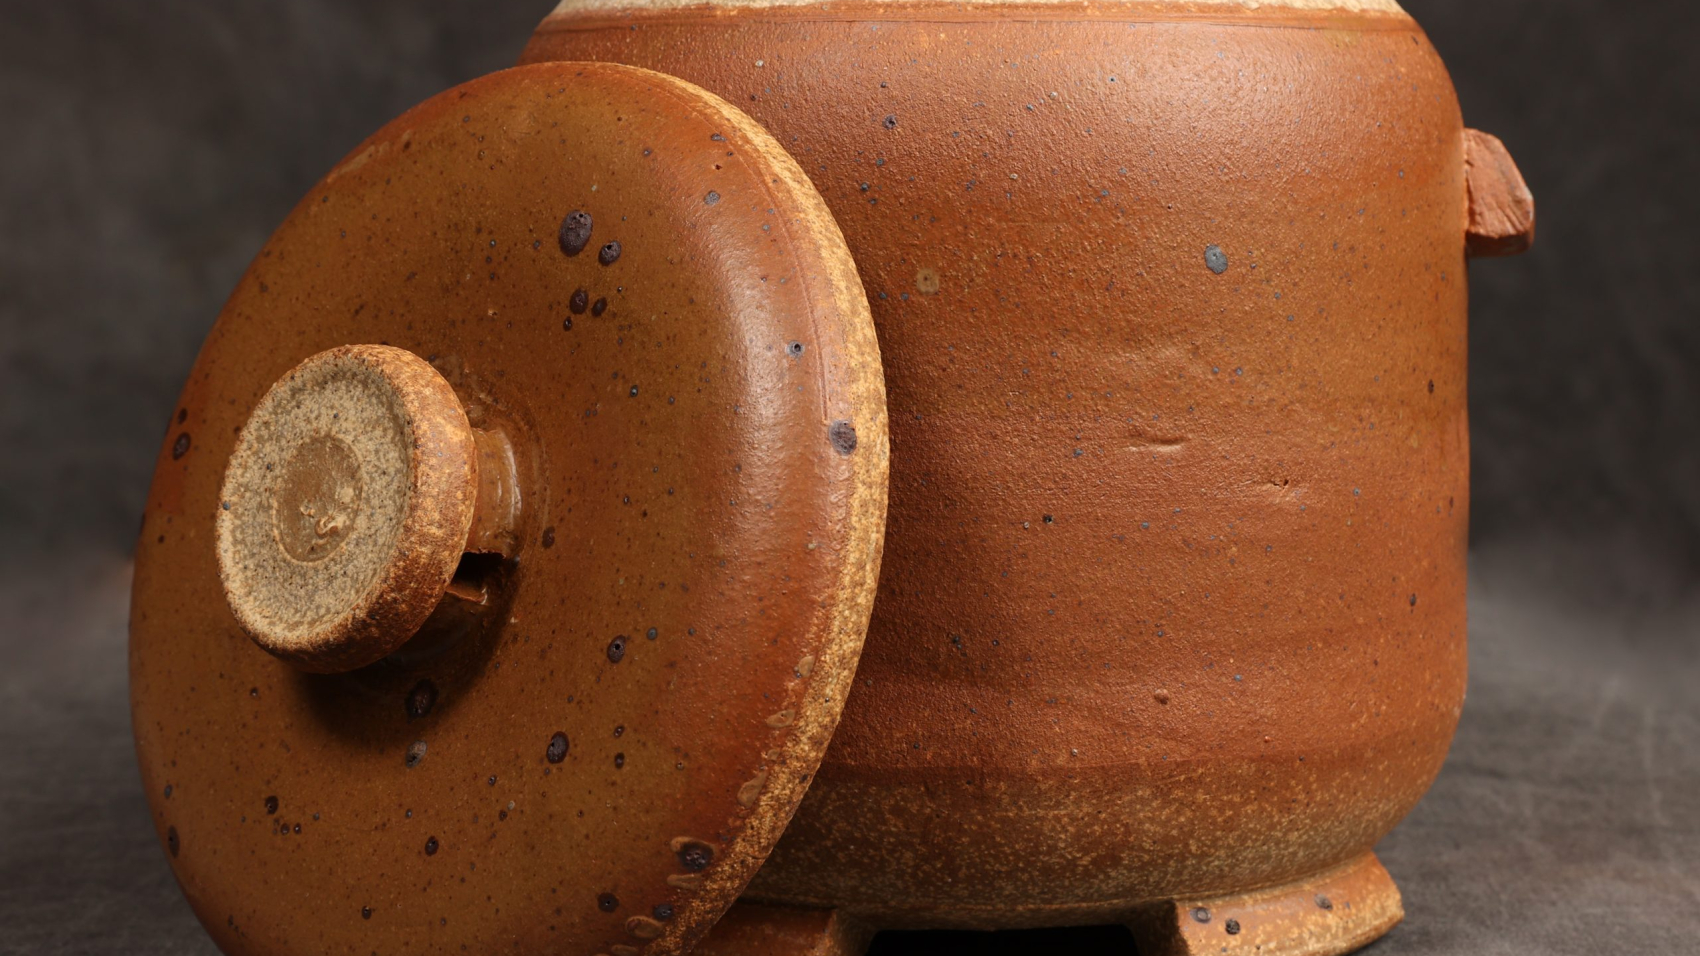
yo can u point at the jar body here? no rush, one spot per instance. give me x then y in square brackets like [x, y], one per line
[1171, 303]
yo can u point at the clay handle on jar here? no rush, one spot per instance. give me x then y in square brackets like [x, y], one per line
[1501, 208]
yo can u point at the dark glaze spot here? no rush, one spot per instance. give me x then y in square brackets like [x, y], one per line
[1050, 520]
[890, 121]
[632, 391]
[421, 699]
[609, 253]
[549, 537]
[795, 348]
[695, 856]
[663, 911]
[843, 436]
[575, 232]
[271, 806]
[1201, 914]
[617, 649]
[171, 841]
[492, 780]
[620, 730]
[710, 199]
[168, 791]
[182, 415]
[619, 761]
[1324, 902]
[1232, 926]
[579, 302]
[651, 633]
[1431, 386]
[180, 447]
[365, 912]
[430, 846]
[1413, 600]
[599, 306]
[607, 902]
[567, 324]
[557, 750]
[1216, 259]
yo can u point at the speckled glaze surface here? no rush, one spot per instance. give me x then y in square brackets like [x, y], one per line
[1171, 301]
[595, 744]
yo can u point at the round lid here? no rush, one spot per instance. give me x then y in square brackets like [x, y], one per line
[510, 551]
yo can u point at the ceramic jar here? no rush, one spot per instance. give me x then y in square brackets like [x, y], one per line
[547, 452]
[1171, 302]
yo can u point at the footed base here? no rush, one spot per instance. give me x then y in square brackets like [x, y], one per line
[1333, 912]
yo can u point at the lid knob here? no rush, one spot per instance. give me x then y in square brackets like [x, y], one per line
[346, 506]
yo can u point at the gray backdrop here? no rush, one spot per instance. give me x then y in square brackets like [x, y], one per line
[148, 149]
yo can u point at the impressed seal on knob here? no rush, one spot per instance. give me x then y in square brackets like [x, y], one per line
[346, 506]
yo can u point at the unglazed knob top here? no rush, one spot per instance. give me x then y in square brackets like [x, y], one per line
[346, 506]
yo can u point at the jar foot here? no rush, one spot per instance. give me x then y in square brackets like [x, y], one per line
[1333, 912]
[750, 929]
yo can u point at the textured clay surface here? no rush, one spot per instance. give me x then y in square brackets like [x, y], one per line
[346, 506]
[596, 755]
[1171, 303]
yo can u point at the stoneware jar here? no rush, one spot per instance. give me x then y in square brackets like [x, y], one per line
[763, 472]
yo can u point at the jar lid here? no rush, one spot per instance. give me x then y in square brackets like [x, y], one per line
[510, 552]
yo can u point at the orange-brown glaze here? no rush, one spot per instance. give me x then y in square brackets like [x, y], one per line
[1336, 911]
[597, 756]
[1172, 313]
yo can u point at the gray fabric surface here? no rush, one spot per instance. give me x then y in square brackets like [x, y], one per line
[1566, 820]
[149, 149]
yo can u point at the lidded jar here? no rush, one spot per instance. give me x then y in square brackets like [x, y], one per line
[1170, 305]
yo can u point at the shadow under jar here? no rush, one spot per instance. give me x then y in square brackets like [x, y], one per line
[1171, 303]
